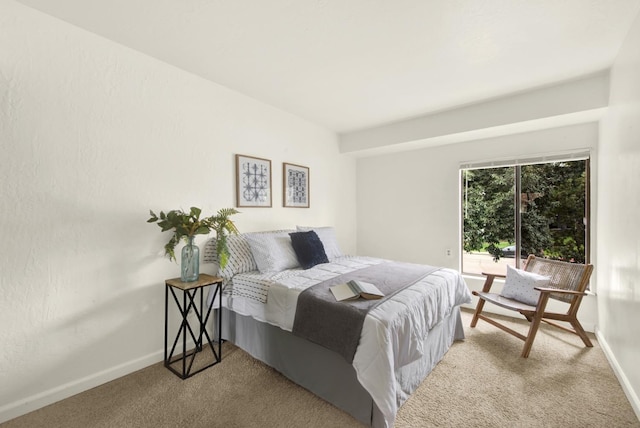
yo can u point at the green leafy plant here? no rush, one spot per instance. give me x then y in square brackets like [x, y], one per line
[187, 225]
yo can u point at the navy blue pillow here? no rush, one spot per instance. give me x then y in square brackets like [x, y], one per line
[309, 249]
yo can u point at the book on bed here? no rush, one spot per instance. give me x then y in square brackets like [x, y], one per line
[354, 290]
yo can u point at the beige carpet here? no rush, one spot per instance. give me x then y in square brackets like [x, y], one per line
[481, 382]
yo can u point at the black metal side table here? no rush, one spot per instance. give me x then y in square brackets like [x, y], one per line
[189, 297]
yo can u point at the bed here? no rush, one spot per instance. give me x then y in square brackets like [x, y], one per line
[401, 339]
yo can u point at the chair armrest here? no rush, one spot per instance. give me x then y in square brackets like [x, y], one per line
[495, 275]
[488, 282]
[557, 290]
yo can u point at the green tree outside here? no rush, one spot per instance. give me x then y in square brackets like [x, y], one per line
[551, 205]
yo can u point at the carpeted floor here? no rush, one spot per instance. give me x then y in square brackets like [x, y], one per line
[481, 382]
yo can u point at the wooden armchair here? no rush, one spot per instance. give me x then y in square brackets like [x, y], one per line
[568, 284]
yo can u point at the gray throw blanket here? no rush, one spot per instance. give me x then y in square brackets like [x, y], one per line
[338, 325]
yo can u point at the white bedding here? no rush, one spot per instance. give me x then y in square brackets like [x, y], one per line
[392, 335]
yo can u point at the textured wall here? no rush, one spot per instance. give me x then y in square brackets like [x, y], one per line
[93, 135]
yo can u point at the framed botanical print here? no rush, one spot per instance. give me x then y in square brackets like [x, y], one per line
[295, 180]
[253, 182]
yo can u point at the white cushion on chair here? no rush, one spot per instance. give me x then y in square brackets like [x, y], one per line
[519, 285]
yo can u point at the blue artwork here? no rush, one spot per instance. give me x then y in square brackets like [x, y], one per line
[253, 181]
[296, 186]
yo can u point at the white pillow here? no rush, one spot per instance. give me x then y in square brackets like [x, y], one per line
[519, 285]
[240, 257]
[327, 236]
[272, 251]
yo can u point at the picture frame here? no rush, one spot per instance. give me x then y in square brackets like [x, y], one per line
[253, 182]
[295, 186]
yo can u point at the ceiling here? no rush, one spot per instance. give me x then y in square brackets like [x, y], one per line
[354, 64]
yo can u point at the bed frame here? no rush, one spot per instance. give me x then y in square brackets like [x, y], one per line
[324, 372]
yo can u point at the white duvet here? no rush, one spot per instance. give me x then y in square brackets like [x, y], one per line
[392, 335]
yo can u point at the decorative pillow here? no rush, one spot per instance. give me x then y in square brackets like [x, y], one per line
[519, 285]
[240, 257]
[328, 237]
[308, 248]
[272, 251]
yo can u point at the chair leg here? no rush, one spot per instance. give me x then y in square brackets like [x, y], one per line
[478, 311]
[530, 337]
[488, 282]
[580, 332]
[535, 324]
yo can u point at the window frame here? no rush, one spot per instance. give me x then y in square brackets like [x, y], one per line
[580, 155]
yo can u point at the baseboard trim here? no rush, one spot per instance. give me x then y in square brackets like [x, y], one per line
[632, 396]
[29, 404]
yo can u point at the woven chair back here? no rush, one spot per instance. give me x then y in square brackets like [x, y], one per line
[564, 275]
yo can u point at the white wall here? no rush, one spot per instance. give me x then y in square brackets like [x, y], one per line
[618, 226]
[93, 135]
